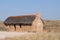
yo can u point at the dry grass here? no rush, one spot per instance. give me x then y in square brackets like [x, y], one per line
[41, 36]
[52, 25]
[37, 36]
[47, 24]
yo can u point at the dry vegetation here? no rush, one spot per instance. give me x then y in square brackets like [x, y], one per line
[37, 36]
[47, 23]
[2, 26]
[52, 25]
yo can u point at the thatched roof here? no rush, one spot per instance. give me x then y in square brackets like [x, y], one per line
[28, 19]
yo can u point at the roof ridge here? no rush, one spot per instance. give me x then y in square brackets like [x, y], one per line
[20, 16]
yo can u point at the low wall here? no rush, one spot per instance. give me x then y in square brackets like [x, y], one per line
[23, 28]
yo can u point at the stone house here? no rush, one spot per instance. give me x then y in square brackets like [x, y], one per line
[25, 23]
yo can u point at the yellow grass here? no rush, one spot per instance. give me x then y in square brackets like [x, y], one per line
[37, 36]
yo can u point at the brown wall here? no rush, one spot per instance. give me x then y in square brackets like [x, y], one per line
[10, 28]
[23, 28]
[37, 24]
[18, 28]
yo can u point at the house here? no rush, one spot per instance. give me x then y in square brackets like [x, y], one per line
[25, 23]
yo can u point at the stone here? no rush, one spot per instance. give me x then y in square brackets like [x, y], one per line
[17, 28]
[12, 28]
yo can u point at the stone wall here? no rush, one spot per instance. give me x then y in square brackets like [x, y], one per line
[37, 24]
[18, 28]
[10, 28]
[23, 28]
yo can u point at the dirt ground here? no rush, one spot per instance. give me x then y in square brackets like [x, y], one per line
[12, 34]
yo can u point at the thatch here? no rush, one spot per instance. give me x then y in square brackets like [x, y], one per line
[20, 20]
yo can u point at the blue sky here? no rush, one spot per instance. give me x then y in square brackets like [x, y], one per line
[49, 9]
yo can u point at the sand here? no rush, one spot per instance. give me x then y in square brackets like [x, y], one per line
[12, 34]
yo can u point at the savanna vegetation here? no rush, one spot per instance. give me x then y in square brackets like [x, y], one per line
[38, 36]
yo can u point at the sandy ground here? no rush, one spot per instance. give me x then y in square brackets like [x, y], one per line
[12, 34]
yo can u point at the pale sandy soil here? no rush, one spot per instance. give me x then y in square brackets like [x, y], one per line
[12, 34]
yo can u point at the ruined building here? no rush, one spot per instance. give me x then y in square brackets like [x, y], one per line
[25, 23]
